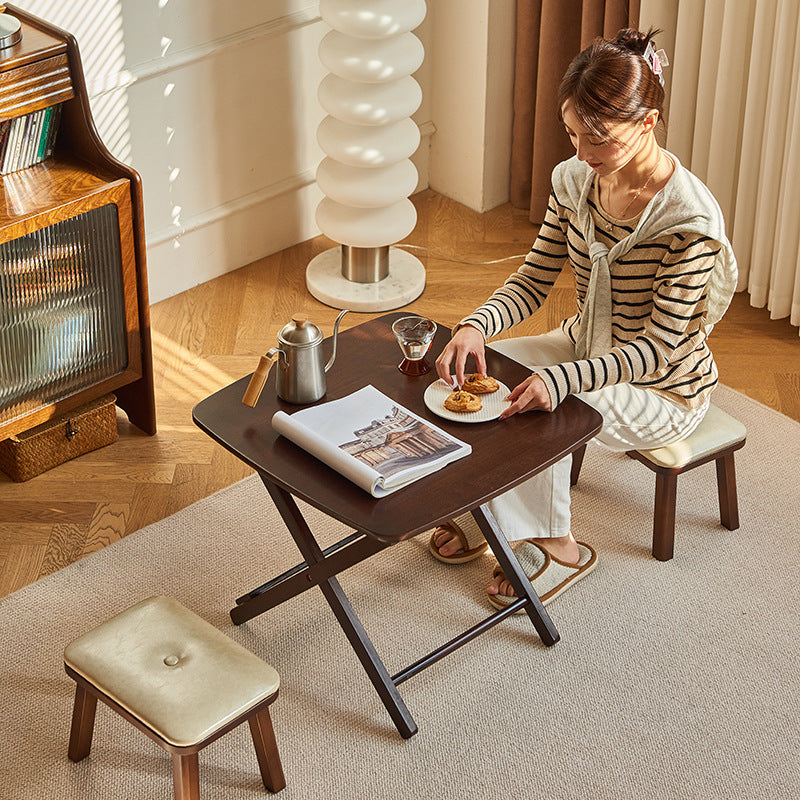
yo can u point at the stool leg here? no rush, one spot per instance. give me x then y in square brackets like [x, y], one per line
[186, 777]
[577, 461]
[80, 737]
[664, 516]
[726, 488]
[269, 760]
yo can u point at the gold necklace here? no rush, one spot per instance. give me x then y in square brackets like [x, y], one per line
[609, 224]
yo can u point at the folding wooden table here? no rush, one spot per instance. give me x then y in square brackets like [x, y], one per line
[503, 455]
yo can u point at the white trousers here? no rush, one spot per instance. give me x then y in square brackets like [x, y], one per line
[633, 419]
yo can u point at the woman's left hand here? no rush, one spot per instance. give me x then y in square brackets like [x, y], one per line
[530, 395]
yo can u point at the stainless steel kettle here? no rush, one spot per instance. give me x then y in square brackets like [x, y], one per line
[301, 374]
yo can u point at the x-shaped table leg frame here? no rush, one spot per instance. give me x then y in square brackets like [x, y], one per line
[321, 567]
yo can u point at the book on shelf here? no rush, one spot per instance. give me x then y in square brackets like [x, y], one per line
[29, 139]
[371, 440]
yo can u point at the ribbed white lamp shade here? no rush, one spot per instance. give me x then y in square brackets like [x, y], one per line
[372, 19]
[367, 187]
[370, 60]
[368, 146]
[371, 227]
[369, 103]
[368, 137]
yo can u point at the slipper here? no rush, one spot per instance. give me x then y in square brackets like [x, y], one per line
[549, 575]
[469, 534]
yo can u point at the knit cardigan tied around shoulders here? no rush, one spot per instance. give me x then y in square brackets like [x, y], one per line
[684, 205]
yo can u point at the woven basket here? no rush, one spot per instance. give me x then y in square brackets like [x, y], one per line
[60, 439]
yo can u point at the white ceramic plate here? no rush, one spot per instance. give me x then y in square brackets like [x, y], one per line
[493, 403]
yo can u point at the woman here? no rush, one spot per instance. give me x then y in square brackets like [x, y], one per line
[653, 271]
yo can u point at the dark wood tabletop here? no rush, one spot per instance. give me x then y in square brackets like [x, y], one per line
[504, 453]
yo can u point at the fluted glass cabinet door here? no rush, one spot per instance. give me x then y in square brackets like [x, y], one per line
[62, 311]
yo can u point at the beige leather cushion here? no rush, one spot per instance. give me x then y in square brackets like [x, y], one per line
[717, 431]
[173, 671]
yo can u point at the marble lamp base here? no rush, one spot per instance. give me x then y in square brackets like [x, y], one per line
[404, 283]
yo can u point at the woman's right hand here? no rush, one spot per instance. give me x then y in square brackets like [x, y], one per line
[466, 341]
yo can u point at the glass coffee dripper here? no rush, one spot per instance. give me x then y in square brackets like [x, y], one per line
[414, 335]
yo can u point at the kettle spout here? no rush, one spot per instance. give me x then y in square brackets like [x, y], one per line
[335, 338]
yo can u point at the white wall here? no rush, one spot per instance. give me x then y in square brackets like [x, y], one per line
[215, 106]
[472, 57]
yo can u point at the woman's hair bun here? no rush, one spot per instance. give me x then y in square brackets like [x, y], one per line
[633, 40]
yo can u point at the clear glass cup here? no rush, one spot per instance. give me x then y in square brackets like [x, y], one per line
[414, 335]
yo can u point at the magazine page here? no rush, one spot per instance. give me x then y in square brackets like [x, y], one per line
[371, 440]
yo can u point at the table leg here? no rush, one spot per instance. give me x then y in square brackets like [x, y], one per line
[369, 658]
[337, 558]
[515, 574]
[349, 622]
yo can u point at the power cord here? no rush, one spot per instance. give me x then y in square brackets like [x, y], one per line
[448, 257]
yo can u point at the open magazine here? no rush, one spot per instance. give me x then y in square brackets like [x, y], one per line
[371, 440]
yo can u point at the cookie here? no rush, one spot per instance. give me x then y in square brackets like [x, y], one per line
[462, 401]
[479, 384]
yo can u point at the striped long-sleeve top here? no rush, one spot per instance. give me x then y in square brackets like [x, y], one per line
[659, 302]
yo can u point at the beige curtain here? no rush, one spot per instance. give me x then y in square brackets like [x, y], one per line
[734, 109]
[549, 34]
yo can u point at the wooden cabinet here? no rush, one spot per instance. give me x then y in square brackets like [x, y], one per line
[74, 310]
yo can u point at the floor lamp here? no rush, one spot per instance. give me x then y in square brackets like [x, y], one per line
[369, 95]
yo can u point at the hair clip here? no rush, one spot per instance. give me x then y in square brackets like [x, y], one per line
[657, 60]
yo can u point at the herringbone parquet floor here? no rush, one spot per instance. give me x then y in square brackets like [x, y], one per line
[212, 334]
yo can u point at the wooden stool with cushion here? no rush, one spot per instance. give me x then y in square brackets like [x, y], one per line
[716, 438]
[179, 680]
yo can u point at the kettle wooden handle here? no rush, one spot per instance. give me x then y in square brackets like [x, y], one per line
[259, 378]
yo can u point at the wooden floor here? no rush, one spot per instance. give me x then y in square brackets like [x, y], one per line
[210, 335]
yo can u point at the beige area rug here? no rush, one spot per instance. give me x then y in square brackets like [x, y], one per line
[672, 680]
